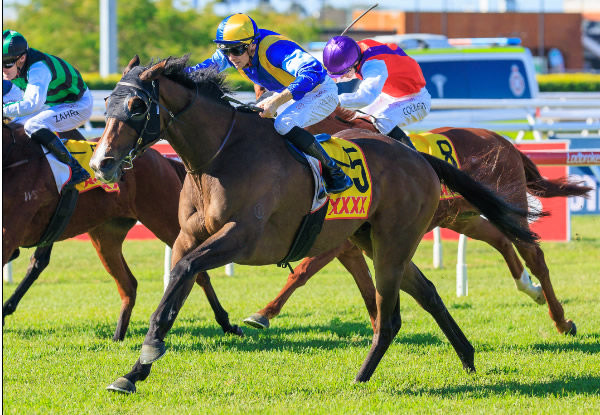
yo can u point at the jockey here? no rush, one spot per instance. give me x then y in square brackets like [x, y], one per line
[392, 90]
[55, 98]
[281, 65]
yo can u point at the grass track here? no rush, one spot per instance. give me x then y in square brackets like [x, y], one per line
[58, 357]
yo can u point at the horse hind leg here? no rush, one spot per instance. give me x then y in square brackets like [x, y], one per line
[108, 241]
[303, 272]
[38, 263]
[481, 229]
[534, 258]
[423, 291]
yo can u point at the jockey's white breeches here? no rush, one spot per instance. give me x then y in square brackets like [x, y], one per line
[313, 107]
[390, 112]
[61, 117]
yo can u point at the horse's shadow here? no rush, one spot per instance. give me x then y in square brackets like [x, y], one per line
[565, 386]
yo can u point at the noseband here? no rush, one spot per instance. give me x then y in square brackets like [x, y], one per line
[146, 124]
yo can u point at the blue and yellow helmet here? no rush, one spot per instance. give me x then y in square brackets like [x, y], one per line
[236, 29]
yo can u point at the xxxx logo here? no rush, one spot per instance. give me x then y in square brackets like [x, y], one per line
[349, 205]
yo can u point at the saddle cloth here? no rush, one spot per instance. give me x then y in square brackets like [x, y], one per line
[82, 152]
[442, 148]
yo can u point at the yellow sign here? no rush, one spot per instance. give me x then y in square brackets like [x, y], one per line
[82, 151]
[355, 202]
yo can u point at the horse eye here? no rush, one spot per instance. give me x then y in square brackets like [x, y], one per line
[137, 107]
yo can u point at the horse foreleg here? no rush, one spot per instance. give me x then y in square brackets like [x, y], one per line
[302, 273]
[534, 258]
[108, 241]
[218, 250]
[126, 384]
[38, 262]
[221, 315]
[424, 292]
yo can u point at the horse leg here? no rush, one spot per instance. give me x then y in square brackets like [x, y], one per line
[108, 241]
[481, 229]
[303, 272]
[423, 291]
[38, 262]
[534, 258]
[221, 316]
[218, 250]
[165, 225]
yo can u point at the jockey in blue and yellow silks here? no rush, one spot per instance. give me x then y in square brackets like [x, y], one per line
[299, 80]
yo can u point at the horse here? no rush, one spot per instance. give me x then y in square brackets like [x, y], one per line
[495, 162]
[245, 196]
[148, 193]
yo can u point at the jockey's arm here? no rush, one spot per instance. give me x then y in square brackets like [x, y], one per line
[39, 77]
[307, 71]
[374, 73]
[218, 60]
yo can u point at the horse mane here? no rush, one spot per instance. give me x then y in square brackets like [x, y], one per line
[209, 81]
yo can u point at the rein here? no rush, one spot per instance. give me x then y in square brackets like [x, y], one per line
[151, 98]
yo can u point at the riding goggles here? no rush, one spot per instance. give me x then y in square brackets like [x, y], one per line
[9, 64]
[235, 50]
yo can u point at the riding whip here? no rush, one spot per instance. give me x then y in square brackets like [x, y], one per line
[358, 18]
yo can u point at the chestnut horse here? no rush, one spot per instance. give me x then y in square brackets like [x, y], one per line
[492, 160]
[244, 198]
[149, 192]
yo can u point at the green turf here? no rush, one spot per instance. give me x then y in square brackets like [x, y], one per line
[58, 356]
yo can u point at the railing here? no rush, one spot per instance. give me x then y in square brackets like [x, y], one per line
[549, 114]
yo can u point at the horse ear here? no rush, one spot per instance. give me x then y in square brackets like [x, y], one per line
[154, 71]
[135, 61]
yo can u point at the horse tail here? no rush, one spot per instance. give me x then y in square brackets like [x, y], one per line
[498, 211]
[540, 187]
[179, 168]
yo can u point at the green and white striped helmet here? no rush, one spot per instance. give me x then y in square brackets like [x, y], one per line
[13, 45]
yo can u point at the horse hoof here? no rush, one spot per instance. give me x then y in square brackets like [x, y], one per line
[151, 353]
[573, 330]
[235, 330]
[122, 385]
[257, 321]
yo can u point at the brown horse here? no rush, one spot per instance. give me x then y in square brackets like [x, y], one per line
[491, 159]
[244, 198]
[149, 192]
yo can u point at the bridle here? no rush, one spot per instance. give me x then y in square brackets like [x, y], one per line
[146, 124]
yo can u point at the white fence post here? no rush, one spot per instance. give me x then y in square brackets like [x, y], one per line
[462, 287]
[229, 269]
[7, 273]
[437, 248]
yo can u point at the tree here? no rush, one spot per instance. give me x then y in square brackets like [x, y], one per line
[149, 28]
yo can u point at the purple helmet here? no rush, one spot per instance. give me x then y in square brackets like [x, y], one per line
[340, 55]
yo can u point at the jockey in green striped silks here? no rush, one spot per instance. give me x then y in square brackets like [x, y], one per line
[55, 98]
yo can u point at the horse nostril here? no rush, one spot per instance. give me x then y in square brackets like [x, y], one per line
[106, 164]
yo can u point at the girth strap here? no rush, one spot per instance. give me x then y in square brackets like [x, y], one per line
[60, 219]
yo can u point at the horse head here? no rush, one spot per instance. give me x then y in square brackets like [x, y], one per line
[132, 121]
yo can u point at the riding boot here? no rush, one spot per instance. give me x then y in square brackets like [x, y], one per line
[49, 140]
[336, 181]
[399, 135]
